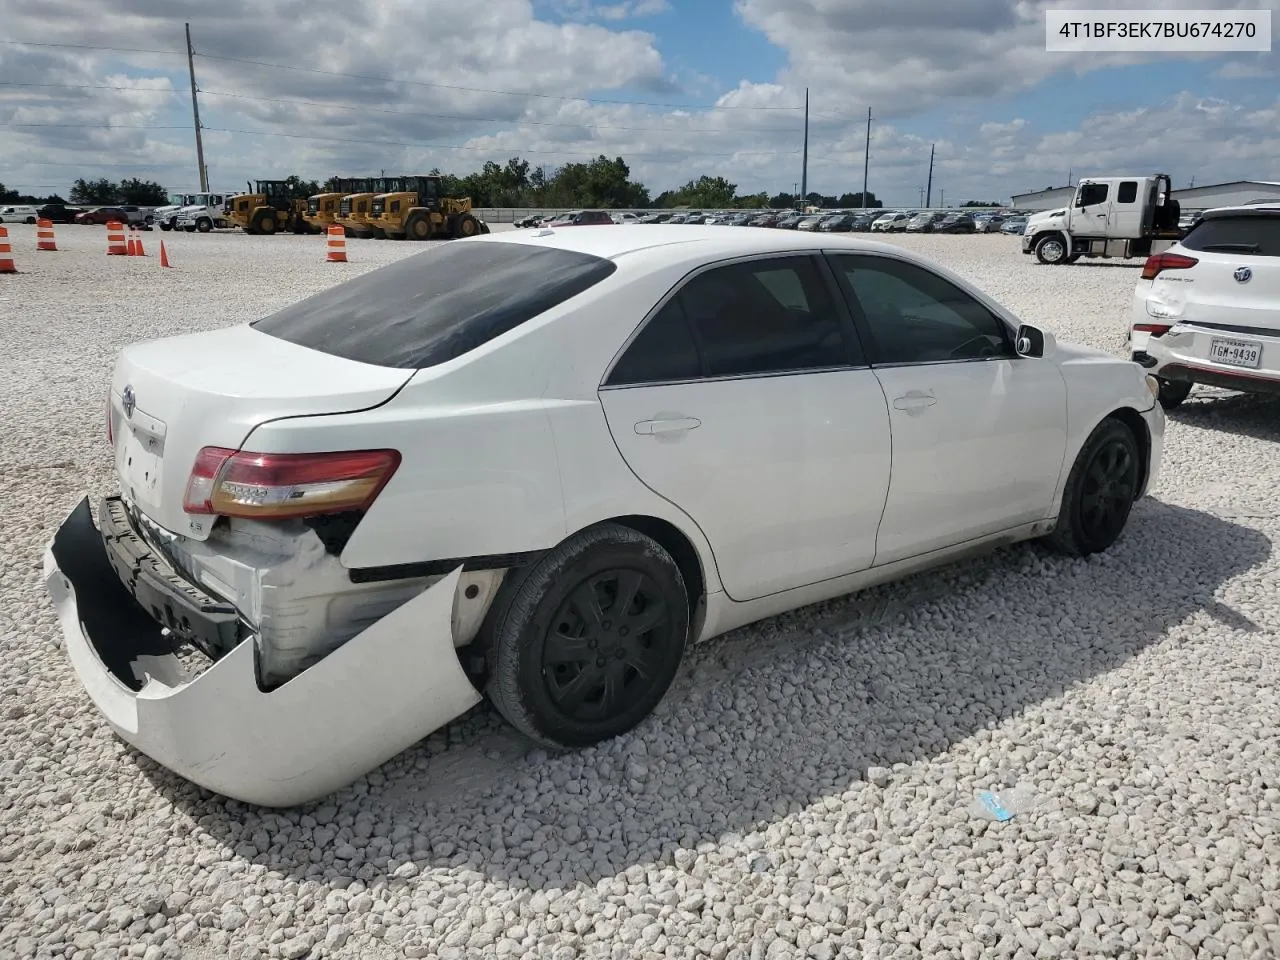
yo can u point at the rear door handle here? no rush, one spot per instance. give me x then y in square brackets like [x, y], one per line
[914, 400]
[673, 425]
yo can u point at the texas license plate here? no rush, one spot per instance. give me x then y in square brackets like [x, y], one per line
[1237, 353]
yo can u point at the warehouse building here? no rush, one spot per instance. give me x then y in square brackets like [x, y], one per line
[1231, 193]
[1046, 199]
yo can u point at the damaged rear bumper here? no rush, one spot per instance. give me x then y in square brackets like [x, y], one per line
[382, 691]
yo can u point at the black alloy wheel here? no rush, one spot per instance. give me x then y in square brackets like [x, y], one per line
[607, 645]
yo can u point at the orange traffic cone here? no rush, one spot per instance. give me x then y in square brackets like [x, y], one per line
[131, 247]
[6, 255]
[140, 252]
[164, 257]
[45, 239]
[115, 240]
[337, 244]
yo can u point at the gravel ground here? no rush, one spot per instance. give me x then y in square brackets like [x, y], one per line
[805, 791]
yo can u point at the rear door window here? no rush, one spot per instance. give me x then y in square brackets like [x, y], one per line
[437, 305]
[1247, 234]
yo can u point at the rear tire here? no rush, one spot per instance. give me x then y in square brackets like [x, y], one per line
[1172, 393]
[166, 226]
[1100, 492]
[584, 644]
[204, 226]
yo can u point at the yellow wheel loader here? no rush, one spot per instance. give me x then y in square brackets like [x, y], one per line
[323, 208]
[354, 208]
[268, 208]
[419, 211]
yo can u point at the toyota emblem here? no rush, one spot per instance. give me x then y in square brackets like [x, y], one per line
[1243, 274]
[128, 401]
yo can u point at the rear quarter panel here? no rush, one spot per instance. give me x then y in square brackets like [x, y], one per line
[506, 449]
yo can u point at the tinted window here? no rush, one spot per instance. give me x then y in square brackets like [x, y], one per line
[1255, 235]
[664, 350]
[1092, 193]
[915, 316]
[765, 316]
[437, 305]
[1127, 192]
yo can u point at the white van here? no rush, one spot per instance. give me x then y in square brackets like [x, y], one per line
[18, 214]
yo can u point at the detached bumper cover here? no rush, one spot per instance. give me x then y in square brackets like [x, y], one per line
[382, 691]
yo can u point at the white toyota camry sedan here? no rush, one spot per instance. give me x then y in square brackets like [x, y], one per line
[536, 466]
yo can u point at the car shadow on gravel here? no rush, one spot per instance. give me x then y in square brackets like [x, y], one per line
[761, 723]
[1245, 414]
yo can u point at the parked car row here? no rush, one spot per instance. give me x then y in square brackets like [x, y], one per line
[61, 213]
[835, 221]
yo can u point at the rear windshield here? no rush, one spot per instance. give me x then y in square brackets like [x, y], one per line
[438, 304]
[1257, 235]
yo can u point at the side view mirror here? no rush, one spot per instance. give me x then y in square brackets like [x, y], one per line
[1033, 342]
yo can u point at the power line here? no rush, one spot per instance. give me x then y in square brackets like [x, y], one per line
[89, 46]
[400, 113]
[381, 79]
[447, 146]
[504, 93]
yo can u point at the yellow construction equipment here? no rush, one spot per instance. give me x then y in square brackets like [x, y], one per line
[323, 208]
[268, 208]
[416, 209]
[353, 209]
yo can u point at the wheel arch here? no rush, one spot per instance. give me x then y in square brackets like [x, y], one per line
[1132, 419]
[672, 539]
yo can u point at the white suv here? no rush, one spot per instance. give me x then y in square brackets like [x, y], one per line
[1207, 310]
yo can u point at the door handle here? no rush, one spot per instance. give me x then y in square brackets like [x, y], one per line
[674, 425]
[914, 400]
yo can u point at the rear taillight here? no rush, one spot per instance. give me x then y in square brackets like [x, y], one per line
[271, 486]
[1157, 264]
[1155, 329]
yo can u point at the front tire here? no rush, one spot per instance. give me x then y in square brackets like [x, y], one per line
[1051, 249]
[583, 645]
[1100, 492]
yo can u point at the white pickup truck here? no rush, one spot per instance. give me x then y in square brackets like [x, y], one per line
[1108, 217]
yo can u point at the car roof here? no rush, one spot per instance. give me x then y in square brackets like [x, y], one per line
[683, 243]
[1272, 209]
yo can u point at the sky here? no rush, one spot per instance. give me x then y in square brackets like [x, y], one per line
[678, 88]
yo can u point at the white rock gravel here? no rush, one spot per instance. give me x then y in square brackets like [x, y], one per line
[805, 791]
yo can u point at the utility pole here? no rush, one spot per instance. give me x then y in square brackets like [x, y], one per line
[928, 190]
[804, 170]
[866, 161]
[921, 203]
[942, 198]
[1069, 172]
[195, 113]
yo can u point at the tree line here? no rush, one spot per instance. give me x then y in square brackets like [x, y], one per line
[600, 183]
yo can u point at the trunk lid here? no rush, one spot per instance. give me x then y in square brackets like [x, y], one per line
[1240, 291]
[1236, 283]
[173, 396]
